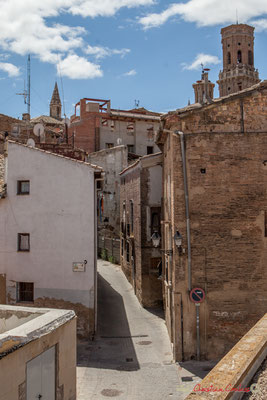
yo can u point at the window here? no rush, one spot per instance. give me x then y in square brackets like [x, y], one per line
[250, 57]
[23, 187]
[239, 86]
[127, 251]
[130, 127]
[265, 223]
[131, 215]
[122, 245]
[155, 219]
[239, 57]
[25, 291]
[112, 126]
[130, 148]
[229, 57]
[23, 242]
[149, 150]
[109, 145]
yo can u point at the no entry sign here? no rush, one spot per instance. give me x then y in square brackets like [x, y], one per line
[197, 295]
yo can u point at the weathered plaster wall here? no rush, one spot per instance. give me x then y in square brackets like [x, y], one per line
[14, 364]
[59, 215]
[113, 161]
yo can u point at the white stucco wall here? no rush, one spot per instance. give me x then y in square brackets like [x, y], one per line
[59, 216]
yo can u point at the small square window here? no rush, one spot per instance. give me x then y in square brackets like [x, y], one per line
[109, 145]
[23, 242]
[23, 187]
[149, 150]
[130, 148]
[25, 292]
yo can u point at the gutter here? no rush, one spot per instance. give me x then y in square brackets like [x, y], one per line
[189, 254]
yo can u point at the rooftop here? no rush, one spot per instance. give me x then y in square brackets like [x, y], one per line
[47, 120]
[21, 325]
[156, 157]
[57, 155]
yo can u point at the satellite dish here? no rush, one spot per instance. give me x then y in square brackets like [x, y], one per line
[15, 130]
[119, 141]
[31, 142]
[67, 121]
[38, 130]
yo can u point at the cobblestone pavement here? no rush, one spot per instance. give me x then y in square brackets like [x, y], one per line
[131, 356]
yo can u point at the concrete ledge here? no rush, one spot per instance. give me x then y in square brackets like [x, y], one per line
[236, 369]
[37, 322]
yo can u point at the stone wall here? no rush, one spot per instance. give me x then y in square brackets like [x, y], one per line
[226, 173]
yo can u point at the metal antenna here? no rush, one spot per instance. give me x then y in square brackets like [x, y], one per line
[136, 103]
[236, 16]
[27, 93]
[62, 88]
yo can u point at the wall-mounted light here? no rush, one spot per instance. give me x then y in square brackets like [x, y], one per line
[155, 239]
[178, 239]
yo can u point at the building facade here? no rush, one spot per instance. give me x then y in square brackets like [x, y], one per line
[95, 126]
[214, 190]
[38, 349]
[48, 233]
[140, 199]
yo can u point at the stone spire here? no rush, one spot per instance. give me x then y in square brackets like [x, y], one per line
[55, 104]
[238, 59]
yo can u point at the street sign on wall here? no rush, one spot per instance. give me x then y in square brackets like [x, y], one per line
[197, 295]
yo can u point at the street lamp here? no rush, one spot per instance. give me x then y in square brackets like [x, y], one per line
[155, 239]
[178, 239]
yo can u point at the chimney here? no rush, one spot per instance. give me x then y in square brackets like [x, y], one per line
[26, 117]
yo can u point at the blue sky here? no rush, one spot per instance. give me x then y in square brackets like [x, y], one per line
[123, 50]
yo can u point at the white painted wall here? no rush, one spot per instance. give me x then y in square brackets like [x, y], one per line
[59, 215]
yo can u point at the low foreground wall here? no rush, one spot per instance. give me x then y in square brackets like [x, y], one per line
[231, 377]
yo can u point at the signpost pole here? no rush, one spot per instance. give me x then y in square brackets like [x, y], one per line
[198, 336]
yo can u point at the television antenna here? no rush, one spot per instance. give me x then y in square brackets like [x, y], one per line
[27, 92]
[38, 130]
[136, 103]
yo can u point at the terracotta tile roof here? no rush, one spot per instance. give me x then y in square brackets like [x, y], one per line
[46, 120]
[58, 155]
[2, 176]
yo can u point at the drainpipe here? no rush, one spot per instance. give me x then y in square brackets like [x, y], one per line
[181, 134]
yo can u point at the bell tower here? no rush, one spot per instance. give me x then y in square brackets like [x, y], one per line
[238, 59]
[55, 104]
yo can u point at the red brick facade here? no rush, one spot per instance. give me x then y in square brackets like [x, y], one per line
[226, 160]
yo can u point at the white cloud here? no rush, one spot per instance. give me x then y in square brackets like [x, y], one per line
[208, 12]
[132, 72]
[260, 24]
[102, 52]
[11, 69]
[25, 28]
[106, 8]
[75, 67]
[205, 59]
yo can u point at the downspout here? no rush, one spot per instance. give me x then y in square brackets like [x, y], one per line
[189, 257]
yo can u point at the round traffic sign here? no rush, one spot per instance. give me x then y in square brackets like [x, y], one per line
[197, 295]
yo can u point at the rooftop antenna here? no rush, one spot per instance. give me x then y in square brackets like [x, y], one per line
[136, 103]
[236, 16]
[27, 92]
[62, 88]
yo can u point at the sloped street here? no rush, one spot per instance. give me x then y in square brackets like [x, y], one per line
[131, 356]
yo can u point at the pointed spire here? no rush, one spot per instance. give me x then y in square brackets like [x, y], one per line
[55, 104]
[55, 96]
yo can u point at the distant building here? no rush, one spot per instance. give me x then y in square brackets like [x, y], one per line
[214, 194]
[140, 199]
[38, 349]
[238, 59]
[96, 126]
[48, 232]
[55, 104]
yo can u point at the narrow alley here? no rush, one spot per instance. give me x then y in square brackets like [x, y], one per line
[131, 356]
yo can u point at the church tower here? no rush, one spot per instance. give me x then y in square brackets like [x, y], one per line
[204, 88]
[55, 104]
[238, 59]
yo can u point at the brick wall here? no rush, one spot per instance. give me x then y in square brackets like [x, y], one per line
[227, 180]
